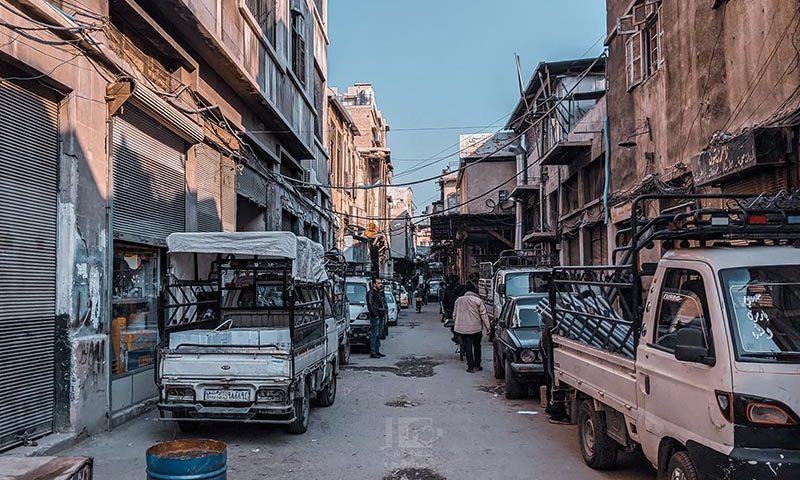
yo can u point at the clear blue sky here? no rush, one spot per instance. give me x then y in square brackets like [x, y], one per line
[450, 63]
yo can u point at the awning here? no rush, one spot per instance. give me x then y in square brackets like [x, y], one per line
[522, 192]
[742, 153]
[565, 152]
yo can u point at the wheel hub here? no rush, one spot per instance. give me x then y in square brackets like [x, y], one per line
[588, 435]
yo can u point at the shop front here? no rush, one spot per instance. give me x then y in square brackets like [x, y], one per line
[149, 203]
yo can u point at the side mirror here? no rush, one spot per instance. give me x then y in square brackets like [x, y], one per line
[689, 347]
[501, 289]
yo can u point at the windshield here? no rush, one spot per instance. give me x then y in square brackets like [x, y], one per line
[523, 283]
[526, 315]
[764, 307]
[357, 293]
[389, 298]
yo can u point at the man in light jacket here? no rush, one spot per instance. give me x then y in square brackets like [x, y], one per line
[471, 320]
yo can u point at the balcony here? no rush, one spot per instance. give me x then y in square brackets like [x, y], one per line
[566, 151]
[527, 188]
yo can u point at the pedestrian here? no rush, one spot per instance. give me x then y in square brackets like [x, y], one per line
[471, 321]
[376, 305]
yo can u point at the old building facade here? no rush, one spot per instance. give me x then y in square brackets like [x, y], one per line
[144, 118]
[562, 121]
[703, 96]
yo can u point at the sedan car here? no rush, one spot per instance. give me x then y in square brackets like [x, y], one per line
[433, 289]
[517, 356]
[393, 311]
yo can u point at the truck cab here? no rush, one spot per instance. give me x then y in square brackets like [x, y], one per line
[694, 359]
[515, 273]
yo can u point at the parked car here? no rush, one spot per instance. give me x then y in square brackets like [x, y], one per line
[250, 340]
[393, 311]
[404, 300]
[517, 358]
[433, 289]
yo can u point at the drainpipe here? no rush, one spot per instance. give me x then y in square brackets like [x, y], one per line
[519, 232]
[606, 179]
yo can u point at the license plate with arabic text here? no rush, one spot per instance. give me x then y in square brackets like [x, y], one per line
[227, 395]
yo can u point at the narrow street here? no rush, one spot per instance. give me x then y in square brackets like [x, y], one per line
[388, 418]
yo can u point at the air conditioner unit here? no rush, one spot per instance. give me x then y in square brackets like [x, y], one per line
[310, 177]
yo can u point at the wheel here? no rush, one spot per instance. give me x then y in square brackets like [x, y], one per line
[681, 467]
[327, 396]
[499, 371]
[514, 389]
[302, 410]
[598, 449]
[344, 351]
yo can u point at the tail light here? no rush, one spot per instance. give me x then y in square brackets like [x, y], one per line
[180, 394]
[767, 414]
[725, 404]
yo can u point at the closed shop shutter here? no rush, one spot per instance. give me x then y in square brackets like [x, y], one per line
[769, 181]
[252, 186]
[228, 194]
[209, 198]
[28, 212]
[149, 178]
[598, 245]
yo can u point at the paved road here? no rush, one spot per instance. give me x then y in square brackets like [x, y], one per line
[450, 425]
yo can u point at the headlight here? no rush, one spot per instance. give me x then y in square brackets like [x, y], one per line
[363, 316]
[527, 356]
[270, 396]
[180, 394]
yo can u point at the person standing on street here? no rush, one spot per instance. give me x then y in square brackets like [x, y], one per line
[376, 305]
[471, 320]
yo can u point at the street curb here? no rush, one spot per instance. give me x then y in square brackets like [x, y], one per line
[47, 445]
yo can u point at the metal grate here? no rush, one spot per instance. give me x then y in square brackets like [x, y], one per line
[209, 189]
[149, 179]
[28, 186]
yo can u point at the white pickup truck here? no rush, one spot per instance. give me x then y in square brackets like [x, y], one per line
[704, 375]
[247, 331]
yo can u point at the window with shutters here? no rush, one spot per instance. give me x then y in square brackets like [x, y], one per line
[654, 36]
[634, 62]
[264, 13]
[319, 98]
[299, 46]
[570, 195]
[598, 245]
[593, 181]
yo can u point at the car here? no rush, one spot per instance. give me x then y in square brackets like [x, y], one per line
[433, 289]
[393, 311]
[403, 301]
[356, 289]
[517, 357]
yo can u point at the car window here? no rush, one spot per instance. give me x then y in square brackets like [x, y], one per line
[682, 305]
[390, 299]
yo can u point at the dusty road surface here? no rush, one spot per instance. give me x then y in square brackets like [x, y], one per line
[416, 414]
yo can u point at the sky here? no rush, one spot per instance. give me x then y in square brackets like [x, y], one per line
[441, 68]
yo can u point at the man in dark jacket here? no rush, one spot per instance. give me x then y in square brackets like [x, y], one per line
[376, 305]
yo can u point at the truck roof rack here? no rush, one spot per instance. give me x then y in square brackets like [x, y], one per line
[602, 305]
[526, 258]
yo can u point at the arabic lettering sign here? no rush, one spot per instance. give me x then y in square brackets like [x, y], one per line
[722, 161]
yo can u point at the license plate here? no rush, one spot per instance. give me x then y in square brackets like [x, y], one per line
[227, 395]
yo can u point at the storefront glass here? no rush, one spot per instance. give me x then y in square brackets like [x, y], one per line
[134, 307]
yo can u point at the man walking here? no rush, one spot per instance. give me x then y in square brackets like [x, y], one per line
[376, 305]
[471, 320]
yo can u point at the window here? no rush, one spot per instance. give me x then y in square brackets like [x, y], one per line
[299, 46]
[264, 13]
[644, 30]
[570, 195]
[682, 305]
[319, 98]
[598, 245]
[593, 181]
[134, 307]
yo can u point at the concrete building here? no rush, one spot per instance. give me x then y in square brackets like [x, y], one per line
[562, 120]
[402, 230]
[141, 118]
[703, 96]
[374, 169]
[477, 219]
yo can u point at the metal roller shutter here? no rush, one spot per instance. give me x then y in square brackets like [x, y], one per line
[770, 182]
[252, 186]
[149, 178]
[228, 194]
[209, 197]
[28, 212]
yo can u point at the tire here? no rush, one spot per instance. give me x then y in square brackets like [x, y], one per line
[344, 351]
[514, 389]
[302, 408]
[681, 467]
[327, 396]
[499, 371]
[598, 449]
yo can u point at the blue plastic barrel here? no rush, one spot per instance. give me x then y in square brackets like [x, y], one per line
[188, 460]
